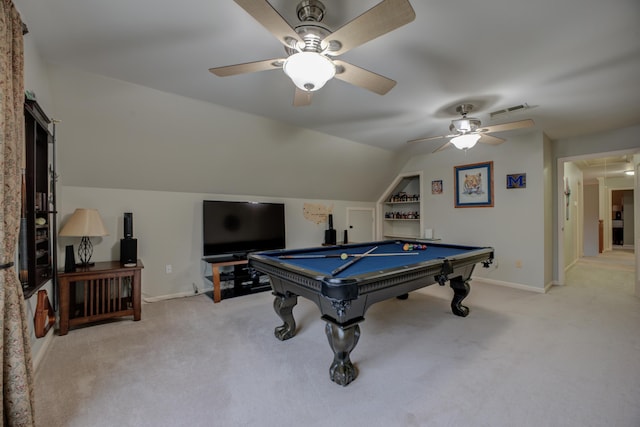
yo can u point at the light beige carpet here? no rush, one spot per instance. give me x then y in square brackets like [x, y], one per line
[567, 358]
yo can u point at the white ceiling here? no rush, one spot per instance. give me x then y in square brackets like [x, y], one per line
[575, 62]
[604, 167]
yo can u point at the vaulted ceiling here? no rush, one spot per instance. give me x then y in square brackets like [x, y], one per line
[574, 63]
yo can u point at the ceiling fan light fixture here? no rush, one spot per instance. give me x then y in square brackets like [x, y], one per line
[466, 141]
[465, 125]
[309, 71]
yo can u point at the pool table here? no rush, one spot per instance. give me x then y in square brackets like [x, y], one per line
[345, 280]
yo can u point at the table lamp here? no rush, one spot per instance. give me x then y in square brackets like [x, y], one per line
[84, 223]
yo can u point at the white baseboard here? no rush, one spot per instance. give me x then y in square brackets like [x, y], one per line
[509, 284]
[47, 340]
[549, 285]
[571, 265]
[171, 296]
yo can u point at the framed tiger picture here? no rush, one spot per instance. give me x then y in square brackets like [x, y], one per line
[474, 185]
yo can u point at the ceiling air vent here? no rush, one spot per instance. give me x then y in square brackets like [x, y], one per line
[509, 110]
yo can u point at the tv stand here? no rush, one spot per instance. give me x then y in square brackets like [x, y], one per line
[239, 262]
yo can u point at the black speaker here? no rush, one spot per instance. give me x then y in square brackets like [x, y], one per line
[69, 259]
[330, 233]
[128, 252]
[330, 237]
[128, 225]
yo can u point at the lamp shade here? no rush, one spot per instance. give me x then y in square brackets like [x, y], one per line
[84, 222]
[466, 141]
[309, 71]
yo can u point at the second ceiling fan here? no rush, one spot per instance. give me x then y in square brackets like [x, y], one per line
[466, 131]
[311, 47]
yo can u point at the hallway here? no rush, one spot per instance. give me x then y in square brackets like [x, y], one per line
[613, 270]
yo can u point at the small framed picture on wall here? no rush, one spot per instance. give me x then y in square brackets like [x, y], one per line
[436, 187]
[517, 180]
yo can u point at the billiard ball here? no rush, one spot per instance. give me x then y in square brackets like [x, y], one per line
[416, 247]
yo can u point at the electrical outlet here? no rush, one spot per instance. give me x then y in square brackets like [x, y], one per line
[168, 269]
[519, 264]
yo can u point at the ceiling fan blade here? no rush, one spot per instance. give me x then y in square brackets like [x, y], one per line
[360, 77]
[301, 98]
[490, 139]
[384, 17]
[443, 147]
[507, 126]
[425, 139]
[266, 15]
[248, 67]
[431, 138]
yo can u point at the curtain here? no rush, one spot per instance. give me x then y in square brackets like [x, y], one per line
[17, 366]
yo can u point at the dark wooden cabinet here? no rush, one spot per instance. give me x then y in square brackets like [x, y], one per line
[103, 291]
[37, 224]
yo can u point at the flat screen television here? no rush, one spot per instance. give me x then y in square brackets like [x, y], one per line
[237, 228]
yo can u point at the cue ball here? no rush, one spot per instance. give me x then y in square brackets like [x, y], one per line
[344, 256]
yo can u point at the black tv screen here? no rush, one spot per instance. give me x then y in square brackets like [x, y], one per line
[236, 228]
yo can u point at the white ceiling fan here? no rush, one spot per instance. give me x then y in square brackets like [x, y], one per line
[311, 47]
[467, 131]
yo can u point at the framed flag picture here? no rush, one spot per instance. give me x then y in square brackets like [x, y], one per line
[517, 180]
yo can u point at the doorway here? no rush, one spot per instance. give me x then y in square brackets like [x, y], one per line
[576, 173]
[622, 223]
[360, 224]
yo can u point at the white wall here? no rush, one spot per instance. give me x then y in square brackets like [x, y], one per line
[127, 148]
[116, 134]
[591, 217]
[35, 75]
[571, 225]
[636, 225]
[614, 140]
[628, 217]
[168, 226]
[514, 227]
[548, 176]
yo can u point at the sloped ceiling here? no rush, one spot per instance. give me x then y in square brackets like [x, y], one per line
[574, 62]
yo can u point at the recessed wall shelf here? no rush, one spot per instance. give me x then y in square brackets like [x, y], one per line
[400, 208]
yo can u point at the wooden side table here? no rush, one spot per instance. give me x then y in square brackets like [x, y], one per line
[109, 290]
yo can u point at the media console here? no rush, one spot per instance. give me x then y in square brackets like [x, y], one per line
[244, 281]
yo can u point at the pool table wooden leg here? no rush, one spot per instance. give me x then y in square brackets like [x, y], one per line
[461, 289]
[342, 341]
[283, 305]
